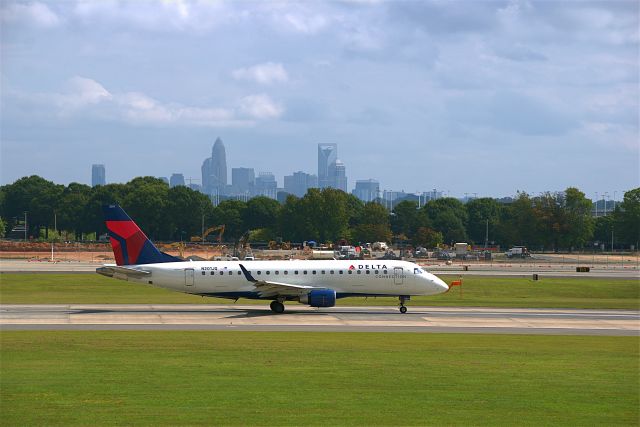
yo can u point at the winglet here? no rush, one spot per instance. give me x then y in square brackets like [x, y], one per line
[247, 275]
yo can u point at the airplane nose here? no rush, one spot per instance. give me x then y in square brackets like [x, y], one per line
[441, 284]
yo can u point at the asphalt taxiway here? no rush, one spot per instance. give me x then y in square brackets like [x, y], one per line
[302, 318]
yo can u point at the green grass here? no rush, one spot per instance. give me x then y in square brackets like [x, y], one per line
[477, 291]
[247, 378]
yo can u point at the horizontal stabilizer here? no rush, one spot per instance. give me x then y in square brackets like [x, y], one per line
[111, 270]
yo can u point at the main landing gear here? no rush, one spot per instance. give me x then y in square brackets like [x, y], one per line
[403, 309]
[277, 307]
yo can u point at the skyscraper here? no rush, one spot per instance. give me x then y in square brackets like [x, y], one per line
[338, 176]
[299, 182]
[266, 185]
[367, 190]
[176, 179]
[327, 156]
[214, 170]
[98, 175]
[242, 180]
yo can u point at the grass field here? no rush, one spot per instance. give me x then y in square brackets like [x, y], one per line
[246, 378]
[477, 291]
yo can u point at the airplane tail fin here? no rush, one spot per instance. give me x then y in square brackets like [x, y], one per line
[130, 245]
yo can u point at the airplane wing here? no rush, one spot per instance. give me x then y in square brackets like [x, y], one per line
[266, 288]
[112, 270]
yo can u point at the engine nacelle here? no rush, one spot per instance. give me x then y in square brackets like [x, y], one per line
[320, 298]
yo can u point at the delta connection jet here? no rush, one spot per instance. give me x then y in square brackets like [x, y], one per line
[316, 283]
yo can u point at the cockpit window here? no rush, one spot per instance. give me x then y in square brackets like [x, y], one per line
[418, 271]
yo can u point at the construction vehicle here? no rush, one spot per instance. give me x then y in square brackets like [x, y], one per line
[208, 231]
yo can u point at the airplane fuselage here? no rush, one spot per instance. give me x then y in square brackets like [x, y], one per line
[347, 278]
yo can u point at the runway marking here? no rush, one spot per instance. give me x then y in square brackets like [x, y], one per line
[425, 319]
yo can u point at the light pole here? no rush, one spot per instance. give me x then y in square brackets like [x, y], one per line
[596, 204]
[25, 226]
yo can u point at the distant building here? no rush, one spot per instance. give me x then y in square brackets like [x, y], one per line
[339, 176]
[195, 187]
[266, 185]
[299, 182]
[367, 190]
[327, 156]
[98, 175]
[242, 180]
[176, 179]
[164, 179]
[214, 170]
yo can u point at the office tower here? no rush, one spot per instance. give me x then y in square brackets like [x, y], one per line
[367, 190]
[266, 185]
[327, 156]
[299, 182]
[242, 180]
[214, 170]
[98, 176]
[338, 174]
[176, 179]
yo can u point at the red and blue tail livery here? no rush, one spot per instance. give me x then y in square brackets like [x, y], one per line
[130, 245]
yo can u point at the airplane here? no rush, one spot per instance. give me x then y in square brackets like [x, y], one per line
[315, 283]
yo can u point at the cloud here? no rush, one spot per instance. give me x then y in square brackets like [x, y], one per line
[36, 14]
[260, 107]
[266, 73]
[87, 97]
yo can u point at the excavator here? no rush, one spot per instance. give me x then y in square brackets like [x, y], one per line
[208, 231]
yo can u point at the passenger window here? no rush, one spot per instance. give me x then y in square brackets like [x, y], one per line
[359, 272]
[204, 273]
[368, 272]
[230, 273]
[313, 272]
[221, 273]
[268, 272]
[331, 271]
[286, 272]
[295, 272]
[340, 271]
[239, 272]
[350, 271]
[277, 272]
[212, 272]
[376, 271]
[258, 272]
[322, 272]
[385, 271]
[304, 272]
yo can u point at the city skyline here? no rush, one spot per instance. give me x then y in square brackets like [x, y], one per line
[486, 98]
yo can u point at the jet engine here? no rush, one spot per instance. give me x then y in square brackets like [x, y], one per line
[320, 298]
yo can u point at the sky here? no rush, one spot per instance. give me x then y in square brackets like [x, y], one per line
[485, 97]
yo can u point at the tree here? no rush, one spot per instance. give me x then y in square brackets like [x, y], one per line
[580, 224]
[629, 217]
[184, 212]
[71, 207]
[518, 223]
[449, 217]
[92, 219]
[480, 211]
[230, 213]
[3, 227]
[374, 224]
[146, 201]
[262, 212]
[428, 237]
[34, 195]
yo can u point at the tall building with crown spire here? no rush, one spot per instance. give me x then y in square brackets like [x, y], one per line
[214, 170]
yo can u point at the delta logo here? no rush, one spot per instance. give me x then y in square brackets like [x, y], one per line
[351, 267]
[368, 267]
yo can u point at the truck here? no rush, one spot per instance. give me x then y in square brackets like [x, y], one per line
[518, 252]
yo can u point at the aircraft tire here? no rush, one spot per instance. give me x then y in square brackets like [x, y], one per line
[403, 309]
[277, 307]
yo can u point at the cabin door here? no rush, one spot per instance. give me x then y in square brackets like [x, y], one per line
[189, 277]
[398, 274]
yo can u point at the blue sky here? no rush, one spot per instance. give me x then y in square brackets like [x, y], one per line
[485, 97]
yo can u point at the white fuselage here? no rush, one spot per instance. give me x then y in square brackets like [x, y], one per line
[346, 278]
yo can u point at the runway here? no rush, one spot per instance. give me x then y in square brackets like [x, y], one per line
[303, 318]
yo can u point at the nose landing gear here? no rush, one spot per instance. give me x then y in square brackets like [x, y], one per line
[403, 309]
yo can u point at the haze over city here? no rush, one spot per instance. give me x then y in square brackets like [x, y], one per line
[471, 97]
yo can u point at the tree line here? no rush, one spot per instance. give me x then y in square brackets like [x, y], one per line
[550, 221]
